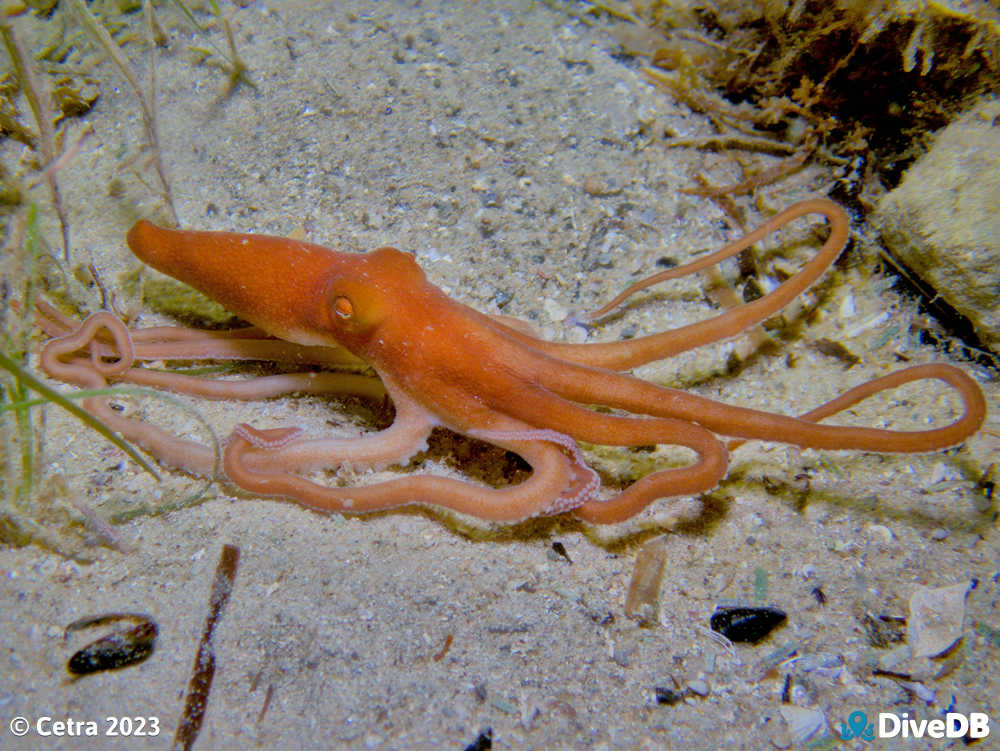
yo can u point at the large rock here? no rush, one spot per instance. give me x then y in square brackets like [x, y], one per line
[943, 221]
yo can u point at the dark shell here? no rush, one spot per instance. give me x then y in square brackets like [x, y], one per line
[667, 696]
[747, 624]
[118, 649]
[483, 742]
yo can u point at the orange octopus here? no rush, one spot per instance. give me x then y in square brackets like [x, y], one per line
[445, 364]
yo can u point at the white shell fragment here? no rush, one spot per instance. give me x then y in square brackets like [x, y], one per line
[556, 311]
[803, 723]
[937, 617]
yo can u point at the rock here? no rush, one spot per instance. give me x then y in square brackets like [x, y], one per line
[943, 221]
[699, 687]
[937, 617]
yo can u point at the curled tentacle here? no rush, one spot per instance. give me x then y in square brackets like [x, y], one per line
[58, 360]
[552, 474]
[628, 354]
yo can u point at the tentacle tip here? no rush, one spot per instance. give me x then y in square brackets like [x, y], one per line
[584, 490]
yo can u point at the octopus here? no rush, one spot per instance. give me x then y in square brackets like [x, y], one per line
[444, 364]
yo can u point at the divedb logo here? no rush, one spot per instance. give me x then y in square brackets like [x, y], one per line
[954, 725]
[974, 725]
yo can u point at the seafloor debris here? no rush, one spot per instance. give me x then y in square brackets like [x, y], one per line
[937, 617]
[746, 623]
[883, 630]
[560, 550]
[483, 742]
[668, 696]
[118, 649]
[642, 603]
[803, 723]
[196, 700]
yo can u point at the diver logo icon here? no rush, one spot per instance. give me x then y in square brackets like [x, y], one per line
[859, 727]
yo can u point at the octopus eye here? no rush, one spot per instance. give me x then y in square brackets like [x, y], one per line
[343, 308]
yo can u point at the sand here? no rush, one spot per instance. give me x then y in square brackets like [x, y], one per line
[466, 136]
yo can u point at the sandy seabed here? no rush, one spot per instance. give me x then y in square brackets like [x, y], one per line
[466, 136]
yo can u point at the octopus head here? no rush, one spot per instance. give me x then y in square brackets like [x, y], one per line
[358, 304]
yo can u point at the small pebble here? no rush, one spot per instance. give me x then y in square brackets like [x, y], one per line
[501, 704]
[808, 571]
[595, 186]
[621, 655]
[895, 657]
[818, 660]
[940, 534]
[556, 311]
[501, 297]
[699, 687]
[918, 689]
[848, 306]
[880, 533]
